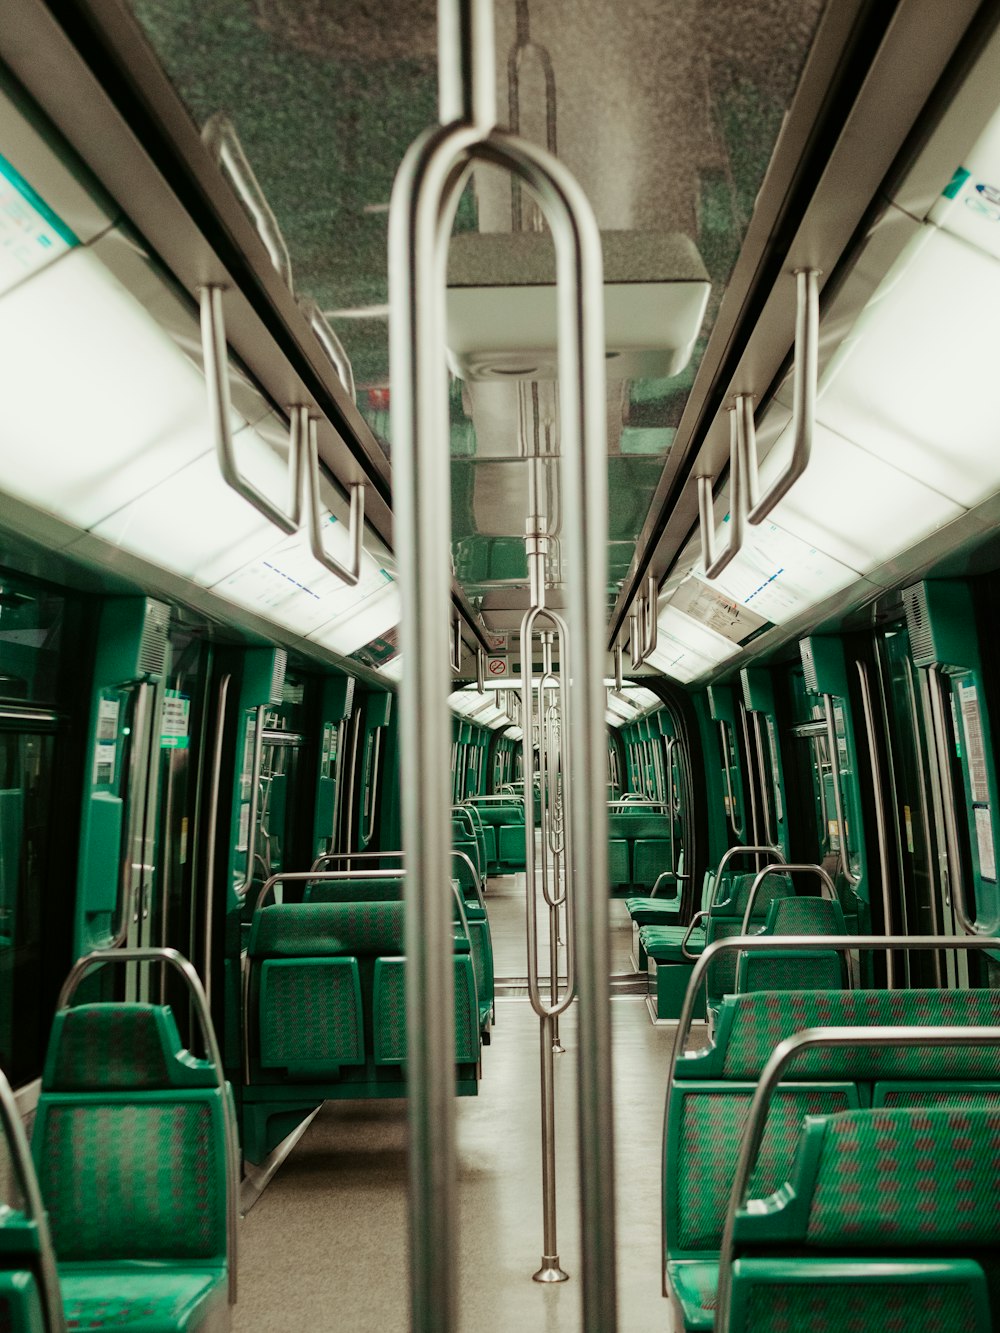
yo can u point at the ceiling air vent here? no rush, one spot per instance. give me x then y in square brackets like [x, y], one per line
[502, 304]
[808, 666]
[918, 623]
[153, 643]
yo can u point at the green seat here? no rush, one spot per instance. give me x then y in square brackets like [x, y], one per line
[618, 862]
[791, 969]
[658, 911]
[129, 1144]
[389, 890]
[885, 1214]
[20, 1302]
[712, 1086]
[178, 1300]
[511, 845]
[319, 1023]
[650, 856]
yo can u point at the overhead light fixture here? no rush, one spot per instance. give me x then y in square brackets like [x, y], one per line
[914, 384]
[502, 304]
[130, 410]
[370, 617]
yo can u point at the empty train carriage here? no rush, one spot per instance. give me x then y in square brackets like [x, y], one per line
[499, 679]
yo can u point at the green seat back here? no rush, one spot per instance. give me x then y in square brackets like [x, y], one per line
[311, 1019]
[129, 1145]
[937, 1175]
[353, 890]
[703, 1144]
[650, 857]
[320, 929]
[389, 1012]
[749, 1026]
[618, 862]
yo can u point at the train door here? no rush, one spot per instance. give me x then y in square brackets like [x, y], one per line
[916, 901]
[44, 642]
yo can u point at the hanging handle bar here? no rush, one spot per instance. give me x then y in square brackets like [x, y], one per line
[480, 671]
[555, 1008]
[644, 626]
[330, 344]
[220, 138]
[213, 339]
[619, 678]
[820, 1038]
[780, 868]
[20, 1156]
[349, 574]
[455, 645]
[740, 423]
[803, 401]
[171, 958]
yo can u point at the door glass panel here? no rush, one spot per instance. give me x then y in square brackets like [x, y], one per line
[27, 849]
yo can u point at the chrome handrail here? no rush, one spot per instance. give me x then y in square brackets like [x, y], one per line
[881, 820]
[211, 836]
[243, 889]
[136, 760]
[956, 883]
[419, 222]
[330, 344]
[713, 561]
[20, 1155]
[838, 798]
[377, 874]
[820, 1038]
[180, 964]
[803, 401]
[376, 744]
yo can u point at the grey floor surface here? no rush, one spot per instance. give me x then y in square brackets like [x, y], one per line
[325, 1247]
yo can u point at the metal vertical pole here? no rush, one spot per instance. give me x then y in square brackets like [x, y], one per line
[422, 514]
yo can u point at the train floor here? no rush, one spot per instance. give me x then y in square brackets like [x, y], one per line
[325, 1247]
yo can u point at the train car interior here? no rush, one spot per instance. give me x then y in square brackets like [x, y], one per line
[499, 666]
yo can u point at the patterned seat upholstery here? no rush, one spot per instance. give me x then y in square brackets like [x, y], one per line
[779, 969]
[129, 1145]
[710, 1099]
[938, 1178]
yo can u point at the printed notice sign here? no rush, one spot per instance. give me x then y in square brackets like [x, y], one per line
[974, 748]
[176, 724]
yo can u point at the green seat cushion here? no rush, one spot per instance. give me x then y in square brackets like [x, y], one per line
[143, 1299]
[653, 911]
[663, 943]
[20, 1303]
[694, 1284]
[844, 1295]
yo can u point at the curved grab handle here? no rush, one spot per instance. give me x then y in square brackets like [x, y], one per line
[20, 1156]
[780, 868]
[213, 341]
[330, 343]
[803, 401]
[220, 138]
[349, 574]
[692, 927]
[731, 853]
[176, 960]
[740, 434]
[644, 628]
